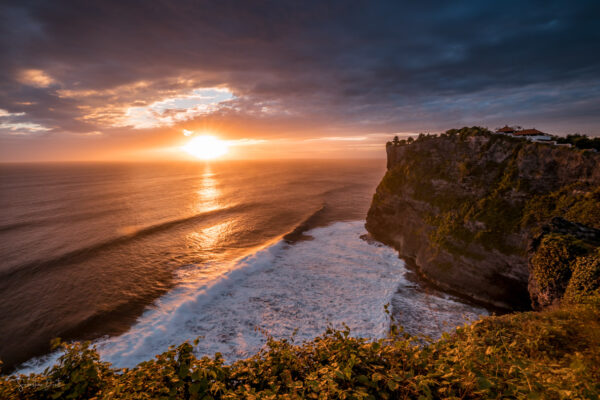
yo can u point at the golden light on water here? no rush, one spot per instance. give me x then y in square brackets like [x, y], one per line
[208, 193]
[206, 147]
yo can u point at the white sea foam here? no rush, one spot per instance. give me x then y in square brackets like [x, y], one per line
[335, 278]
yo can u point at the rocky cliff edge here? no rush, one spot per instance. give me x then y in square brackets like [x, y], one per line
[487, 216]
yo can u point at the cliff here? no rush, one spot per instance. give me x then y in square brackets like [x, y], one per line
[480, 214]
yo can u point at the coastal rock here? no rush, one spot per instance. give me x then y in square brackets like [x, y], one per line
[466, 206]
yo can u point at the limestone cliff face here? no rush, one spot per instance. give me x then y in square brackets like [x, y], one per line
[466, 205]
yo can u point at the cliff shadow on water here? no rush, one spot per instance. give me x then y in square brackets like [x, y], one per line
[482, 214]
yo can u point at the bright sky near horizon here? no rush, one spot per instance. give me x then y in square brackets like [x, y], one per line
[135, 80]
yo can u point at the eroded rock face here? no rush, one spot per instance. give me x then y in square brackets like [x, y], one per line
[486, 276]
[465, 207]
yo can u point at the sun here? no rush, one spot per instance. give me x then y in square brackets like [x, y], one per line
[206, 147]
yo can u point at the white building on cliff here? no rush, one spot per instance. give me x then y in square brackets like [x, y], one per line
[532, 135]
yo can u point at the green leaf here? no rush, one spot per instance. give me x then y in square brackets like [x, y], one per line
[484, 383]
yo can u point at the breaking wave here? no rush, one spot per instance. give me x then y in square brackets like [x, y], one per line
[337, 278]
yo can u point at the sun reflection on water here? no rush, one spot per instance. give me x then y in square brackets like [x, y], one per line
[208, 243]
[208, 194]
[208, 238]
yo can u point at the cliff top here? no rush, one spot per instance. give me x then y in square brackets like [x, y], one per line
[581, 142]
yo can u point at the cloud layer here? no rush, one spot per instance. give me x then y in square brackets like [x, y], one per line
[297, 69]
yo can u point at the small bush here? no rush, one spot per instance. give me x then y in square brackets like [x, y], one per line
[551, 263]
[584, 285]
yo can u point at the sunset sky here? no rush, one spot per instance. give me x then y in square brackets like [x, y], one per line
[105, 80]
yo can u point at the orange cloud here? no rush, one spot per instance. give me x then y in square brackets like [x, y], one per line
[35, 77]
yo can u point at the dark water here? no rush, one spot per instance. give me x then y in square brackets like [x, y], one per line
[140, 257]
[86, 248]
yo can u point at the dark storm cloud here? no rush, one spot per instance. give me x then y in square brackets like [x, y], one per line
[355, 65]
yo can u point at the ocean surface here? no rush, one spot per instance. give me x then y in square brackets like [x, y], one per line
[137, 257]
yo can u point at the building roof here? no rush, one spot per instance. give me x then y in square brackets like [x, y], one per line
[506, 129]
[529, 132]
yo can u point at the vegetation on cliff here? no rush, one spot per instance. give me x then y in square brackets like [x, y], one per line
[576, 202]
[563, 262]
[580, 141]
[584, 284]
[550, 355]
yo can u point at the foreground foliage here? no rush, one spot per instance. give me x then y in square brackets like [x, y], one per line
[550, 355]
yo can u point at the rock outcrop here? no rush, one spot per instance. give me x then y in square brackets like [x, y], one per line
[466, 206]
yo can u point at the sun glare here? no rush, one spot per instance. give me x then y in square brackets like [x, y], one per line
[206, 147]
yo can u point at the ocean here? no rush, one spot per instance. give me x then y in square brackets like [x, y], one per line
[137, 257]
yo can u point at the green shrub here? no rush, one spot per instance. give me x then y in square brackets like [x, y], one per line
[551, 263]
[581, 141]
[584, 285]
[577, 203]
[79, 374]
